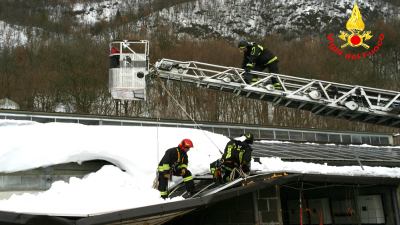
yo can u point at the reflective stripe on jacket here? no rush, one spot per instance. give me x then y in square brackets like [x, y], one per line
[173, 157]
[257, 57]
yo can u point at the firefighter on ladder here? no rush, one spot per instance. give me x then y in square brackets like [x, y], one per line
[175, 162]
[258, 58]
[235, 161]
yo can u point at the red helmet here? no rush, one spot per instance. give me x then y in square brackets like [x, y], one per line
[114, 50]
[186, 143]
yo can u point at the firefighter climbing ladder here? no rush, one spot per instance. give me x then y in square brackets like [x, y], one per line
[351, 102]
[128, 74]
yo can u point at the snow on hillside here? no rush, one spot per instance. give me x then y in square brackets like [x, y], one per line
[220, 18]
[11, 35]
[232, 18]
[92, 12]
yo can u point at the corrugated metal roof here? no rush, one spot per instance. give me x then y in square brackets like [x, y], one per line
[338, 155]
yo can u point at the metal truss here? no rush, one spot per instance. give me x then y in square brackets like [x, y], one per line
[350, 102]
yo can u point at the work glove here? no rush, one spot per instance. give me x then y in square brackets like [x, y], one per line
[183, 171]
[217, 173]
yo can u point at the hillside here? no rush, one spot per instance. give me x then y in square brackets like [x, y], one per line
[233, 18]
[200, 18]
[54, 53]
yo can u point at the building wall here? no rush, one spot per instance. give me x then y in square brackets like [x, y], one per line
[268, 206]
[262, 207]
[321, 204]
[238, 211]
[340, 204]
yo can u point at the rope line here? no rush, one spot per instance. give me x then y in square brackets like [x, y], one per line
[240, 172]
[183, 109]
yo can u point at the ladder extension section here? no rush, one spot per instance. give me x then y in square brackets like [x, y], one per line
[351, 102]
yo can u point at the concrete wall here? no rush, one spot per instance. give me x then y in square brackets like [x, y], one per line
[268, 206]
[321, 203]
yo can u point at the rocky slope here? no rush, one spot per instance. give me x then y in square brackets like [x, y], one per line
[201, 18]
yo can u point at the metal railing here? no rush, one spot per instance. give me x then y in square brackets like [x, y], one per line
[230, 130]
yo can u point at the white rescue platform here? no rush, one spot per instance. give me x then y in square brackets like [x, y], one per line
[129, 66]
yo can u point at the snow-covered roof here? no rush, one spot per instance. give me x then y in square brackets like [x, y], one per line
[135, 150]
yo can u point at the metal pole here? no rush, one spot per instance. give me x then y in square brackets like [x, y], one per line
[256, 211]
[395, 202]
[158, 145]
[300, 203]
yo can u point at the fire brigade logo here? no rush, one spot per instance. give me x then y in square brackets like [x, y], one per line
[356, 36]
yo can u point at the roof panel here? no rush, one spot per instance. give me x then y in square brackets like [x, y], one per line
[332, 154]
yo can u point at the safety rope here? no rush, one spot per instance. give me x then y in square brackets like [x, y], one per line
[239, 171]
[158, 145]
[183, 109]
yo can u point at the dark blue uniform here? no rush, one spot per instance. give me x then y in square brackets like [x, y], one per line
[237, 154]
[174, 162]
[258, 58]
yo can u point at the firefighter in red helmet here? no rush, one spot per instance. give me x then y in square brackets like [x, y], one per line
[175, 162]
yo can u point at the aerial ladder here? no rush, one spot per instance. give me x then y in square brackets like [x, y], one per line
[324, 98]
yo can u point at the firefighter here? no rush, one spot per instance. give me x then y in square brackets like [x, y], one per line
[236, 158]
[175, 162]
[258, 58]
[114, 58]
